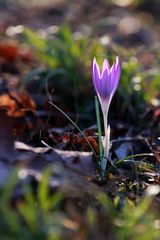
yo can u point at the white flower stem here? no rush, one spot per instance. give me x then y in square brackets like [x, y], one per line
[106, 140]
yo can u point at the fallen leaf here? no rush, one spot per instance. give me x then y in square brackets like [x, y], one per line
[75, 141]
[24, 147]
[80, 161]
[8, 50]
[17, 104]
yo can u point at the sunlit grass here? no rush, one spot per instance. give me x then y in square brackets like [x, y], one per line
[41, 214]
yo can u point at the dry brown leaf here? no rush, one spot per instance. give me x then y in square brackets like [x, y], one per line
[80, 161]
[17, 104]
[8, 50]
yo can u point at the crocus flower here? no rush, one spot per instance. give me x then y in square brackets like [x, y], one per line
[105, 82]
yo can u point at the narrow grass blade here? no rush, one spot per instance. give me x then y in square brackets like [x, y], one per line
[119, 162]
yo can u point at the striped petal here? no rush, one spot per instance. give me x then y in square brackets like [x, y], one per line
[105, 66]
[105, 85]
[115, 75]
[95, 75]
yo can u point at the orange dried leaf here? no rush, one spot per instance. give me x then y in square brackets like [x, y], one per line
[8, 51]
[17, 104]
[92, 142]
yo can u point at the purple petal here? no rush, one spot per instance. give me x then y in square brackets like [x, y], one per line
[112, 75]
[117, 72]
[95, 75]
[105, 66]
[117, 62]
[105, 85]
[115, 76]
